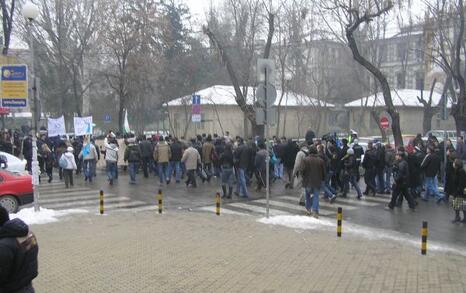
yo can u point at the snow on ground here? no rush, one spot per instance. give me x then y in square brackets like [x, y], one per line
[309, 223]
[44, 216]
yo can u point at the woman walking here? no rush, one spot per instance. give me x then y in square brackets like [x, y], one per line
[459, 183]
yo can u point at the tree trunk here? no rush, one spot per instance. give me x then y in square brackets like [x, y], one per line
[428, 114]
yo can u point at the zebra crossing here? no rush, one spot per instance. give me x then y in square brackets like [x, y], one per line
[288, 205]
[55, 196]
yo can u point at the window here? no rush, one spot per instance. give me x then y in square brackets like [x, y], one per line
[400, 80]
[401, 50]
[419, 80]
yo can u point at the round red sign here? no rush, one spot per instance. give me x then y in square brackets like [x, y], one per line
[384, 122]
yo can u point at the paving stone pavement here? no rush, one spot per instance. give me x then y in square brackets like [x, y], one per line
[201, 252]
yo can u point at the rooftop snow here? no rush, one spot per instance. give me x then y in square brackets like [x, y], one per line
[225, 95]
[401, 98]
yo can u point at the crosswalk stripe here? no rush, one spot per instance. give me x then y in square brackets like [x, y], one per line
[294, 207]
[68, 193]
[377, 199]
[326, 204]
[356, 201]
[67, 198]
[63, 188]
[86, 202]
[256, 209]
[223, 210]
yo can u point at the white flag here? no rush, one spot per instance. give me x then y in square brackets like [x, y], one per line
[56, 126]
[126, 128]
[83, 125]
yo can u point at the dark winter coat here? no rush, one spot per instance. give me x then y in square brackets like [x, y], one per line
[431, 165]
[132, 153]
[242, 156]
[176, 151]
[358, 152]
[414, 164]
[313, 171]
[18, 256]
[350, 165]
[289, 157]
[401, 172]
[449, 171]
[459, 182]
[226, 160]
[370, 159]
[146, 149]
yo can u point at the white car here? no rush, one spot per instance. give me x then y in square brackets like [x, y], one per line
[14, 164]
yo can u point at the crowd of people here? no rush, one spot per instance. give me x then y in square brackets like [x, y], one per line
[329, 165]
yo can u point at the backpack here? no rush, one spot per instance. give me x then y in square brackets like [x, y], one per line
[63, 162]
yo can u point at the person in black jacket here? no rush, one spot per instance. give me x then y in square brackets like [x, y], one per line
[146, 155]
[401, 180]
[368, 164]
[415, 179]
[176, 149]
[242, 158]
[358, 152]
[18, 255]
[350, 172]
[459, 184]
[289, 157]
[431, 166]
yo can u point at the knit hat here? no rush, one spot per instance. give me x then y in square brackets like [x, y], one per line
[4, 217]
[70, 149]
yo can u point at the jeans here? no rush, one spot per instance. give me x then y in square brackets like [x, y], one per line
[351, 179]
[227, 176]
[163, 172]
[111, 170]
[388, 175]
[174, 166]
[315, 199]
[89, 169]
[380, 181]
[328, 177]
[241, 188]
[132, 168]
[278, 169]
[431, 188]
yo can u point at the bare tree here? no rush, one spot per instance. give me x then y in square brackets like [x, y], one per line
[246, 20]
[353, 16]
[7, 21]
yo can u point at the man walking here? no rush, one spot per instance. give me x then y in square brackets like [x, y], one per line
[133, 157]
[242, 157]
[369, 165]
[191, 159]
[162, 154]
[176, 150]
[146, 153]
[208, 152]
[401, 178]
[313, 172]
[111, 159]
[431, 166]
[89, 157]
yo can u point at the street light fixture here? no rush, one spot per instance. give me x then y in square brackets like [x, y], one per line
[30, 12]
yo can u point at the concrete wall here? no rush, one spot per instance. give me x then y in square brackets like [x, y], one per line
[218, 119]
[411, 119]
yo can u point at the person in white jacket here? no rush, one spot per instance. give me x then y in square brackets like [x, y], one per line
[70, 166]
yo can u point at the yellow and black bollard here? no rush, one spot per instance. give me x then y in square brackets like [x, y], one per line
[339, 220]
[424, 238]
[217, 204]
[101, 202]
[159, 198]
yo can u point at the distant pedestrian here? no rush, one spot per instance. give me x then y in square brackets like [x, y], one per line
[18, 255]
[176, 150]
[68, 163]
[208, 154]
[162, 154]
[369, 165]
[133, 157]
[111, 159]
[191, 158]
[227, 170]
[242, 158]
[146, 149]
[48, 158]
[260, 163]
[350, 173]
[89, 157]
[431, 167]
[459, 195]
[401, 182]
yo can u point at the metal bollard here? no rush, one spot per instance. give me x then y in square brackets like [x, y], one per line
[101, 202]
[159, 198]
[424, 233]
[339, 220]
[217, 204]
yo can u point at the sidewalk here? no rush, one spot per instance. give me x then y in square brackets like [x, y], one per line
[201, 252]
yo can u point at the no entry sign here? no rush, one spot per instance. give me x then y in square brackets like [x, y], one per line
[384, 122]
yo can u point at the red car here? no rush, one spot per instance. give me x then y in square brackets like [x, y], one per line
[15, 190]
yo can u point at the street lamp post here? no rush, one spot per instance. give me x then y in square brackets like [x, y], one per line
[30, 12]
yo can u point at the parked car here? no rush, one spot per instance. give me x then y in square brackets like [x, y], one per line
[14, 164]
[15, 190]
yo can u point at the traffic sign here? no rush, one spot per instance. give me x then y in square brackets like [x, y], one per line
[14, 86]
[107, 118]
[384, 122]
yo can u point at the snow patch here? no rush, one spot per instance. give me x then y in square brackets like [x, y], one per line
[44, 216]
[308, 223]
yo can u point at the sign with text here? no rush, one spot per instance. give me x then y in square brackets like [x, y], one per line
[196, 109]
[14, 86]
[83, 125]
[56, 126]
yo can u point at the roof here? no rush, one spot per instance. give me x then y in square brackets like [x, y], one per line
[401, 98]
[225, 95]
